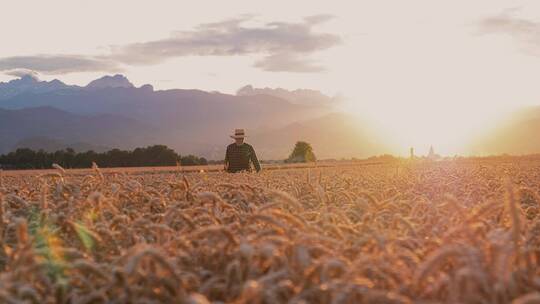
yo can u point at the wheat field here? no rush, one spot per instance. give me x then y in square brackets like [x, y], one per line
[445, 232]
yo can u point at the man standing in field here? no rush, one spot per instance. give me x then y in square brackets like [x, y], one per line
[239, 154]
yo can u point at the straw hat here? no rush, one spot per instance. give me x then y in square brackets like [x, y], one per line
[238, 133]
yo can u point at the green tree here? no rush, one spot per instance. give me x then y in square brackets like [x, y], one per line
[302, 153]
[157, 155]
[192, 160]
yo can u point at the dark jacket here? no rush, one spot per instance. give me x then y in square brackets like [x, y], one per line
[238, 158]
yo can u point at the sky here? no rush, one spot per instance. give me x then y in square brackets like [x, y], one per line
[432, 72]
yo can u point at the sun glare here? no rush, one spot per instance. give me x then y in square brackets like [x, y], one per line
[449, 129]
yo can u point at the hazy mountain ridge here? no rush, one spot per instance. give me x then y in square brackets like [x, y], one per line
[517, 135]
[116, 81]
[336, 135]
[48, 144]
[298, 96]
[29, 84]
[167, 107]
[64, 127]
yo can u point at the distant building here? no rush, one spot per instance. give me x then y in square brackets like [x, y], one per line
[412, 152]
[432, 155]
[431, 152]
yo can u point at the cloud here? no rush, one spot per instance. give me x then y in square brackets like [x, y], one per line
[282, 46]
[316, 19]
[22, 72]
[279, 42]
[58, 64]
[526, 32]
[288, 62]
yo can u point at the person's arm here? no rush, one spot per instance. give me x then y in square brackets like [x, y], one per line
[226, 166]
[254, 160]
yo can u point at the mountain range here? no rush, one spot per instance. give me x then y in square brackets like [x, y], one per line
[31, 85]
[299, 96]
[110, 112]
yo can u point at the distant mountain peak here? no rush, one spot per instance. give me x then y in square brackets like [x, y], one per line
[147, 88]
[25, 80]
[33, 82]
[28, 78]
[29, 83]
[116, 81]
[299, 96]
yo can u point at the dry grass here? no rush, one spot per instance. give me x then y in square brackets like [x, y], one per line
[443, 232]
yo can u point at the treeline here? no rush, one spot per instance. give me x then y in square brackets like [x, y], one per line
[152, 156]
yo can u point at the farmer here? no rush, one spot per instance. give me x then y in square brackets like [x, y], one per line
[239, 154]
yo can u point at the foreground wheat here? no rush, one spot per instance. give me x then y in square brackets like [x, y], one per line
[447, 232]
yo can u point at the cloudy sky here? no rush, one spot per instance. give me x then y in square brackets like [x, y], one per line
[410, 64]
